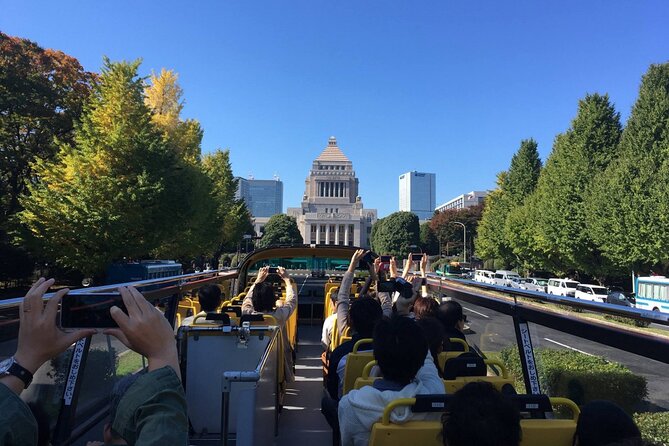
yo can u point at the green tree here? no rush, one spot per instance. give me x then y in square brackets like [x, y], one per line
[395, 234]
[109, 194]
[451, 234]
[629, 204]
[281, 229]
[428, 239]
[513, 187]
[557, 236]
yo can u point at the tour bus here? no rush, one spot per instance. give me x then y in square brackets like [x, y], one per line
[142, 270]
[232, 369]
[652, 293]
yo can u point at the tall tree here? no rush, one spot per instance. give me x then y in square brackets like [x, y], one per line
[558, 212]
[450, 234]
[109, 194]
[281, 229]
[629, 204]
[395, 234]
[164, 98]
[428, 239]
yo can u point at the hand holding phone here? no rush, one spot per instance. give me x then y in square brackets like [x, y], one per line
[416, 257]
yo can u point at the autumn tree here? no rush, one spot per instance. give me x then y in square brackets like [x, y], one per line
[428, 239]
[395, 234]
[628, 207]
[450, 235]
[281, 229]
[114, 190]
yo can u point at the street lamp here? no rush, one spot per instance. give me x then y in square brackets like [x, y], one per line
[464, 240]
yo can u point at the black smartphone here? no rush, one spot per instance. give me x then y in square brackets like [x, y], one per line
[386, 259]
[89, 310]
[273, 270]
[416, 257]
[386, 287]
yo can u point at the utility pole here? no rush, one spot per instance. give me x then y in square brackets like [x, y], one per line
[464, 240]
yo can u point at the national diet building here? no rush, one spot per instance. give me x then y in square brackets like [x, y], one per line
[332, 212]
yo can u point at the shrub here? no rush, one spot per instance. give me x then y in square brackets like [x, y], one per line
[654, 427]
[627, 320]
[581, 378]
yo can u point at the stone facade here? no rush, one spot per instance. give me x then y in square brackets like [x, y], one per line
[332, 212]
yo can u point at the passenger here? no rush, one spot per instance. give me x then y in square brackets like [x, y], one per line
[425, 307]
[479, 415]
[602, 423]
[152, 412]
[111, 437]
[434, 334]
[328, 324]
[261, 299]
[210, 299]
[450, 314]
[407, 369]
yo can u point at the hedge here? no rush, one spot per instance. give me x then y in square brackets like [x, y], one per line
[579, 377]
[654, 427]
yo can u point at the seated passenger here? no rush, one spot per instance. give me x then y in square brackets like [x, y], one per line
[153, 411]
[479, 415]
[210, 299]
[407, 369]
[110, 436]
[261, 299]
[425, 307]
[450, 315]
[602, 423]
[434, 334]
[328, 324]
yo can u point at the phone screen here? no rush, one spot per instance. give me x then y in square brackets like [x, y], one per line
[273, 270]
[385, 259]
[416, 257]
[89, 310]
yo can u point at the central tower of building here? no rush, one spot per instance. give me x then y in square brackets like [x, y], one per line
[332, 212]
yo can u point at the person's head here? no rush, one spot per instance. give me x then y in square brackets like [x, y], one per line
[450, 314]
[478, 414]
[119, 389]
[263, 297]
[365, 312]
[425, 307]
[434, 334]
[399, 348]
[209, 297]
[602, 423]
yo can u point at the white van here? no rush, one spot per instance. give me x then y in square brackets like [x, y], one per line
[562, 287]
[484, 276]
[594, 293]
[504, 277]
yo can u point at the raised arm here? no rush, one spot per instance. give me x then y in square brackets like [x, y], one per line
[247, 304]
[283, 312]
[343, 297]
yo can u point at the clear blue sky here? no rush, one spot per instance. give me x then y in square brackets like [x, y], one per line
[442, 86]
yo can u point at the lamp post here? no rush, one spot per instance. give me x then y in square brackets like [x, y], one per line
[464, 240]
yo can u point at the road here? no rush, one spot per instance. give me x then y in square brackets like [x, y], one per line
[493, 331]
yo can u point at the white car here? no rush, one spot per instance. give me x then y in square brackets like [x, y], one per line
[595, 293]
[505, 278]
[534, 284]
[562, 287]
[484, 276]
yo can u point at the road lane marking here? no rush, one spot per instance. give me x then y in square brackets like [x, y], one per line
[473, 311]
[568, 346]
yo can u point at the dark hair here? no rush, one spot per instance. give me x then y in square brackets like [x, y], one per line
[434, 335]
[450, 313]
[399, 348]
[602, 422]
[118, 391]
[478, 414]
[365, 312]
[263, 297]
[209, 297]
[43, 424]
[425, 307]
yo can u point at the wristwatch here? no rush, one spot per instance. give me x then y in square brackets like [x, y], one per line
[11, 367]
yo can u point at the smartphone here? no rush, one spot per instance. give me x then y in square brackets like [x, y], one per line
[385, 259]
[273, 270]
[386, 287]
[416, 257]
[89, 310]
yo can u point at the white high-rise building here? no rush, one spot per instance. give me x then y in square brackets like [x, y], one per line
[473, 198]
[418, 193]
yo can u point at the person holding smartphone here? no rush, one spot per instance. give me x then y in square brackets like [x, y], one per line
[153, 411]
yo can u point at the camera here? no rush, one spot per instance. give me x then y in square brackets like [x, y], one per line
[89, 310]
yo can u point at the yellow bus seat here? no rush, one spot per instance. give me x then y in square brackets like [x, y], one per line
[472, 369]
[446, 355]
[355, 363]
[551, 432]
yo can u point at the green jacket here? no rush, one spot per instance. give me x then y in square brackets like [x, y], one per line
[152, 412]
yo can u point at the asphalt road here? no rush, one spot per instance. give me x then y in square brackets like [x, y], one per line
[493, 331]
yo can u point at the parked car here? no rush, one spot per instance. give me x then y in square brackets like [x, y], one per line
[504, 277]
[534, 284]
[621, 298]
[562, 287]
[484, 276]
[595, 293]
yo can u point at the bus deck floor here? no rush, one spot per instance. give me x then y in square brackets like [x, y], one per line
[301, 421]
